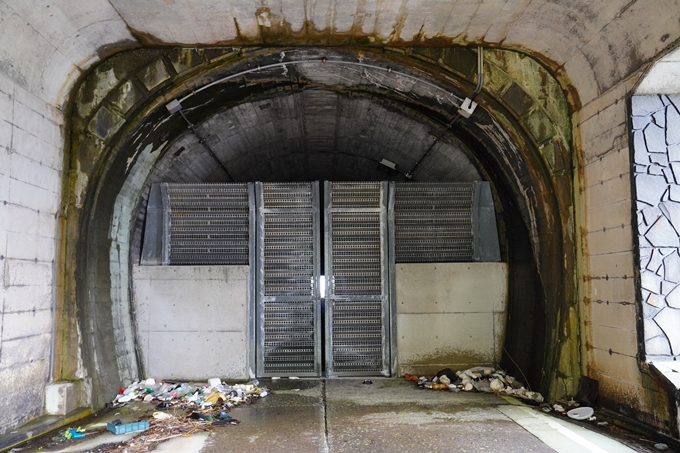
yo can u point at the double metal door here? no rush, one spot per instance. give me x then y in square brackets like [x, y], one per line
[354, 338]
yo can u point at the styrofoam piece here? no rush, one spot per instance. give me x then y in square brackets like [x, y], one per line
[581, 413]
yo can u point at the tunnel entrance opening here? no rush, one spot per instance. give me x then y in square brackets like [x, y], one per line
[350, 329]
[290, 116]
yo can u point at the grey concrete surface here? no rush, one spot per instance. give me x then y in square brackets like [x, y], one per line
[189, 311]
[450, 315]
[345, 415]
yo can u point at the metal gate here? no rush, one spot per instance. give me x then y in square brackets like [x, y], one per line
[289, 302]
[357, 271]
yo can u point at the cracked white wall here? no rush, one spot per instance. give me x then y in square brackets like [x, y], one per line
[656, 142]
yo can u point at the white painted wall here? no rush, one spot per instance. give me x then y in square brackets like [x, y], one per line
[450, 315]
[192, 321]
[31, 136]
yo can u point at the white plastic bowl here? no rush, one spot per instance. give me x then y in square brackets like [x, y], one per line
[581, 413]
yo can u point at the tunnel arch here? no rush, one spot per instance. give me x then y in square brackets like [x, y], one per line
[121, 130]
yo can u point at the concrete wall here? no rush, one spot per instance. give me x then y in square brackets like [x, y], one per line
[611, 341]
[192, 321]
[450, 315]
[31, 137]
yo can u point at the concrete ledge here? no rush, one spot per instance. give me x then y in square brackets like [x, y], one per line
[39, 426]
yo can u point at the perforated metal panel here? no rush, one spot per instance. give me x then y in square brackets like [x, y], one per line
[289, 314]
[206, 224]
[433, 222]
[357, 303]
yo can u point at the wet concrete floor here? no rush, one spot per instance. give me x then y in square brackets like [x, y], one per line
[345, 415]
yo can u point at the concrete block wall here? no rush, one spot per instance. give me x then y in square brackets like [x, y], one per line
[31, 139]
[609, 337]
[194, 315]
[450, 315]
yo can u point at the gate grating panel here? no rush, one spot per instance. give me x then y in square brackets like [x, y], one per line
[433, 222]
[356, 268]
[288, 269]
[207, 224]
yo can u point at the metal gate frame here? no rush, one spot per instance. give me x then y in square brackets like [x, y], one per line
[386, 269]
[261, 288]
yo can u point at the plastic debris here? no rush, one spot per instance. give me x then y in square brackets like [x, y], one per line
[161, 415]
[168, 395]
[581, 413]
[661, 446]
[477, 379]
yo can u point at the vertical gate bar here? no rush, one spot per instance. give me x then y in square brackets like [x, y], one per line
[316, 295]
[392, 294]
[385, 284]
[259, 225]
[166, 223]
[252, 281]
[328, 271]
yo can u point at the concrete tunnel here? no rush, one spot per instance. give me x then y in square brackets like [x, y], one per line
[313, 114]
[570, 155]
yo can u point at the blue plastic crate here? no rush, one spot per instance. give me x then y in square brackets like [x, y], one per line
[128, 427]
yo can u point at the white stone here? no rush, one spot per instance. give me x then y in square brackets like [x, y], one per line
[658, 346]
[675, 100]
[673, 126]
[670, 179]
[669, 320]
[60, 398]
[671, 265]
[671, 210]
[655, 300]
[650, 188]
[652, 329]
[662, 234]
[655, 138]
[649, 310]
[659, 159]
[651, 282]
[674, 193]
[674, 153]
[651, 214]
[657, 171]
[646, 105]
[659, 118]
[639, 122]
[655, 261]
[673, 299]
[641, 153]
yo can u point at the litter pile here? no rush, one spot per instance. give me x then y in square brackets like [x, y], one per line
[179, 409]
[169, 394]
[477, 379]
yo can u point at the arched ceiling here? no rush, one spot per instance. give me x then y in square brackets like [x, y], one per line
[314, 135]
[45, 45]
